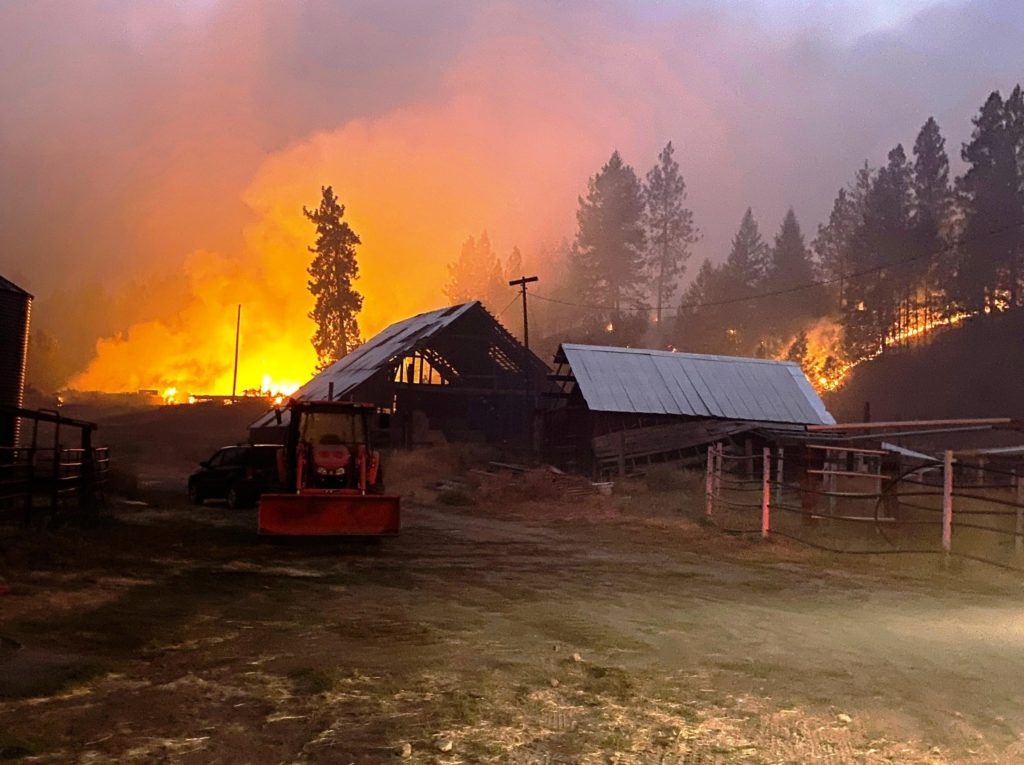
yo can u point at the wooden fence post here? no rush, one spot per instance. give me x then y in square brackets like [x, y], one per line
[620, 457]
[780, 475]
[709, 486]
[947, 506]
[1018, 541]
[718, 470]
[831, 484]
[766, 493]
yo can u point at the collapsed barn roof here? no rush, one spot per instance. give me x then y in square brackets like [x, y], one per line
[6, 285]
[639, 381]
[465, 348]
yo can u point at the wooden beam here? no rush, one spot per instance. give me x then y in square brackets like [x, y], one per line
[840, 448]
[848, 473]
[908, 424]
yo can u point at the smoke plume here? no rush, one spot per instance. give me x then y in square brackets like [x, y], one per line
[157, 156]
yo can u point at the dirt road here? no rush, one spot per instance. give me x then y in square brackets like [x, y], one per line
[522, 634]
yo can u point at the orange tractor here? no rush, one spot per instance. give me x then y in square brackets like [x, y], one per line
[332, 476]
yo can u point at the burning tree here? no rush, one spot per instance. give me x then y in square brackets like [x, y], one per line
[332, 272]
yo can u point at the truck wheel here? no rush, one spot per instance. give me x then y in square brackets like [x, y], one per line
[236, 498]
[195, 496]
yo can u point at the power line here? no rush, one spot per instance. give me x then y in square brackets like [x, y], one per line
[512, 303]
[798, 288]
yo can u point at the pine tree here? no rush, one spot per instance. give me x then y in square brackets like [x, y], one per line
[610, 241]
[701, 326]
[791, 272]
[743, 276]
[835, 238]
[748, 259]
[669, 227]
[332, 273]
[932, 192]
[880, 249]
[719, 311]
[477, 275]
[931, 213]
[990, 268]
[514, 265]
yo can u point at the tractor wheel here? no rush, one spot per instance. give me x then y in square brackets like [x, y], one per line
[195, 496]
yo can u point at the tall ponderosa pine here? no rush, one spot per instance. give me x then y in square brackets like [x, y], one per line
[990, 269]
[880, 254]
[332, 273]
[834, 240]
[747, 263]
[609, 247]
[930, 217]
[719, 311]
[932, 192]
[790, 272]
[477, 275]
[514, 265]
[513, 269]
[669, 226]
[743, 275]
[702, 325]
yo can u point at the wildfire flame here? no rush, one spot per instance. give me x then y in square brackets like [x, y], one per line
[416, 181]
[828, 367]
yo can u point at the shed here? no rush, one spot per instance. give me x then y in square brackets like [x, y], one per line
[15, 314]
[625, 408]
[455, 373]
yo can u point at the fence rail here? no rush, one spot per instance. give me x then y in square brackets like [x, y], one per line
[965, 496]
[46, 474]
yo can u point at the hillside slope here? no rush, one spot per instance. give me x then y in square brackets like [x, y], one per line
[974, 370]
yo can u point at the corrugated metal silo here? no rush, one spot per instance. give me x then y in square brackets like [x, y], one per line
[15, 312]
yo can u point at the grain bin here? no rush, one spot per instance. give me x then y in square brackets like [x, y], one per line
[15, 310]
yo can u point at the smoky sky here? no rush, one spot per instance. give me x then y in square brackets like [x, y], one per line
[130, 131]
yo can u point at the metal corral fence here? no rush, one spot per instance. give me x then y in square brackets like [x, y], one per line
[42, 474]
[964, 505]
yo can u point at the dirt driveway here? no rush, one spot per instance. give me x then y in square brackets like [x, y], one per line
[530, 633]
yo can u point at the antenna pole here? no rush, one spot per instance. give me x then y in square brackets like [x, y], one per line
[238, 333]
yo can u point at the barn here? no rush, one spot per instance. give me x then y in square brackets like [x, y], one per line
[453, 374]
[619, 410]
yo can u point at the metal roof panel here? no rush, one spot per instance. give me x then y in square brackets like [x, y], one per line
[691, 384]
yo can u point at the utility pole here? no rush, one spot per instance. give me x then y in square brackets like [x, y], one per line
[238, 332]
[521, 282]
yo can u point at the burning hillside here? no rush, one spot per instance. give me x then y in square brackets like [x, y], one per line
[826, 362]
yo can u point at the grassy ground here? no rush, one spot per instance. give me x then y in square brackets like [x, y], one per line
[523, 627]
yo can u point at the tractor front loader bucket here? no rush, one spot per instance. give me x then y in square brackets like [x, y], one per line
[329, 514]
